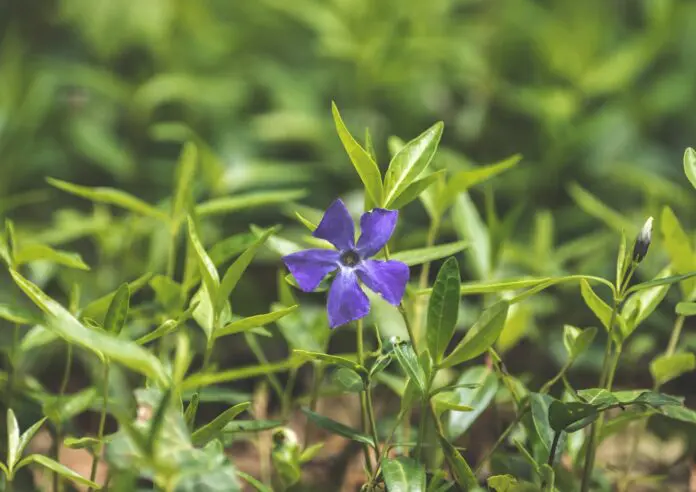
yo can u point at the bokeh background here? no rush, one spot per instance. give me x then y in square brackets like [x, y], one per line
[596, 95]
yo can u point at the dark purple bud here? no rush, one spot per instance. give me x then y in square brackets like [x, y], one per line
[640, 248]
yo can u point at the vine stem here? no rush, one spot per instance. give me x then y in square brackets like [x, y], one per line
[364, 417]
[58, 484]
[102, 424]
[605, 381]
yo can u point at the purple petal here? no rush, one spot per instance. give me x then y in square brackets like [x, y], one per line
[337, 227]
[376, 227]
[309, 267]
[387, 278]
[347, 301]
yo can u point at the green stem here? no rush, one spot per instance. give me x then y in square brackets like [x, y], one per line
[363, 397]
[102, 423]
[286, 405]
[313, 399]
[58, 484]
[554, 445]
[13, 366]
[608, 368]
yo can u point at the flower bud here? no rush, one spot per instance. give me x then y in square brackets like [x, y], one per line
[640, 248]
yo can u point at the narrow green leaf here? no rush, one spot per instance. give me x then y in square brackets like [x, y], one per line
[58, 468]
[118, 311]
[258, 486]
[348, 380]
[414, 190]
[211, 279]
[235, 271]
[469, 227]
[403, 474]
[408, 360]
[679, 249]
[460, 469]
[30, 252]
[185, 175]
[98, 308]
[424, 255]
[443, 309]
[657, 282]
[68, 327]
[209, 378]
[17, 314]
[410, 162]
[337, 428]
[690, 165]
[362, 162]
[191, 410]
[81, 442]
[600, 309]
[599, 210]
[667, 367]
[481, 336]
[244, 324]
[13, 452]
[111, 196]
[479, 398]
[252, 426]
[643, 302]
[463, 180]
[209, 431]
[539, 405]
[564, 414]
[577, 341]
[225, 205]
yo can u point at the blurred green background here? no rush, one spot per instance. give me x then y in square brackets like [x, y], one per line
[594, 92]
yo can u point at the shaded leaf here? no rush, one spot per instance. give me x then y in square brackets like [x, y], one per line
[403, 474]
[210, 430]
[443, 308]
[337, 428]
[667, 367]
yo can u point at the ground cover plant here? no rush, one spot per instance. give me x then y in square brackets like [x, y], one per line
[156, 354]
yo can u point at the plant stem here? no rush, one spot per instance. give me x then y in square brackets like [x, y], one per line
[554, 445]
[318, 372]
[607, 366]
[57, 479]
[502, 438]
[364, 422]
[13, 366]
[102, 422]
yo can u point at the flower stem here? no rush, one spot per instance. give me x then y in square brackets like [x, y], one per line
[605, 381]
[102, 422]
[364, 418]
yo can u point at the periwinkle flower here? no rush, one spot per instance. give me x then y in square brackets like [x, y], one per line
[350, 261]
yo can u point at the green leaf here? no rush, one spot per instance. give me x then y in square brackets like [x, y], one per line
[210, 378]
[81, 442]
[539, 405]
[168, 293]
[236, 270]
[209, 431]
[463, 180]
[306, 355]
[577, 341]
[425, 255]
[100, 306]
[410, 162]
[258, 486]
[244, 324]
[408, 360]
[18, 315]
[362, 162]
[68, 327]
[562, 415]
[415, 189]
[211, 279]
[185, 175]
[238, 426]
[348, 380]
[686, 308]
[60, 409]
[118, 311]
[596, 208]
[403, 474]
[602, 311]
[623, 259]
[460, 469]
[661, 281]
[58, 468]
[443, 309]
[166, 327]
[481, 336]
[30, 252]
[469, 227]
[479, 398]
[337, 428]
[690, 165]
[13, 452]
[225, 205]
[667, 367]
[111, 196]
[679, 250]
[502, 483]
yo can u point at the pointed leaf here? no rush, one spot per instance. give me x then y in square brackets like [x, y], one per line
[425, 255]
[577, 341]
[209, 431]
[337, 428]
[362, 162]
[13, 452]
[469, 227]
[667, 367]
[679, 249]
[408, 360]
[203, 379]
[244, 324]
[185, 175]
[460, 469]
[686, 308]
[410, 161]
[403, 474]
[98, 308]
[30, 252]
[562, 415]
[111, 196]
[481, 336]
[58, 468]
[463, 180]
[225, 205]
[118, 311]
[443, 309]
[415, 189]
[479, 398]
[690, 165]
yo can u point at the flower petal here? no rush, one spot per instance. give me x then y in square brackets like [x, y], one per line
[387, 278]
[347, 301]
[337, 227]
[309, 267]
[376, 227]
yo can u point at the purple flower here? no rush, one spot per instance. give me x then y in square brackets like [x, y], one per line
[347, 301]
